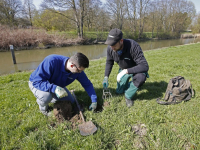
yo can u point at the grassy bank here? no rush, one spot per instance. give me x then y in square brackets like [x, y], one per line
[159, 126]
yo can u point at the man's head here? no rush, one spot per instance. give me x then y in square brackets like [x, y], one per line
[114, 39]
[77, 63]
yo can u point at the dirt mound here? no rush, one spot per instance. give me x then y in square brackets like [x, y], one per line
[62, 110]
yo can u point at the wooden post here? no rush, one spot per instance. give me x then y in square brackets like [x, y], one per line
[13, 54]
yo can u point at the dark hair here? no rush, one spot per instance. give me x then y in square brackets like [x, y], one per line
[80, 60]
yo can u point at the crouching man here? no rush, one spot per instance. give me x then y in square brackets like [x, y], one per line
[48, 82]
[129, 56]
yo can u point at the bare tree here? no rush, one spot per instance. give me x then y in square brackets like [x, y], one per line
[143, 7]
[131, 11]
[10, 10]
[59, 6]
[181, 14]
[117, 9]
[29, 9]
[92, 10]
[152, 17]
[196, 24]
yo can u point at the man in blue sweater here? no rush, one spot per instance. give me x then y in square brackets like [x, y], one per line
[48, 82]
[132, 64]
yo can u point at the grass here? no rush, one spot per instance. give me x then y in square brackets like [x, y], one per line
[167, 127]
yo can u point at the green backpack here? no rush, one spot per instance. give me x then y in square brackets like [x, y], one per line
[179, 89]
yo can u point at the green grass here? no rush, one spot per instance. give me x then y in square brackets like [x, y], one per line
[168, 127]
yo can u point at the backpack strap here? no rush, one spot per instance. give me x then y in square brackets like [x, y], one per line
[191, 91]
[162, 102]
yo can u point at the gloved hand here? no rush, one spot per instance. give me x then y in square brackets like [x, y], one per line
[60, 92]
[105, 82]
[93, 106]
[121, 74]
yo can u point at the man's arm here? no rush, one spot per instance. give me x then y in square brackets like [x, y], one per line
[88, 86]
[141, 63]
[109, 63]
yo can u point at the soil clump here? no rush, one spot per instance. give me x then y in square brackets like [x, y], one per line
[63, 111]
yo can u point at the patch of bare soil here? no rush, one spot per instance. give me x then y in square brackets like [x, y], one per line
[140, 141]
[140, 129]
[106, 104]
[63, 111]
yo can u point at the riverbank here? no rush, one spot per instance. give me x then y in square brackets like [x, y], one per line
[146, 125]
[25, 39]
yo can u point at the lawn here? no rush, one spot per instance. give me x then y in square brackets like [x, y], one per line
[146, 125]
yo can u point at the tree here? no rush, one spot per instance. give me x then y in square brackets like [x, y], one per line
[117, 10]
[131, 11]
[92, 13]
[29, 9]
[10, 10]
[60, 7]
[181, 14]
[52, 21]
[195, 27]
[143, 8]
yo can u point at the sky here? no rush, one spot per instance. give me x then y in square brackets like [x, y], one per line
[196, 3]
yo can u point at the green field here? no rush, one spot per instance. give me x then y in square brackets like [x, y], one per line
[169, 127]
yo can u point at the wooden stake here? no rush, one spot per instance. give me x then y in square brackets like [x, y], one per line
[13, 54]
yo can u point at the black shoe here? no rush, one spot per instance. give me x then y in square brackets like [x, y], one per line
[129, 102]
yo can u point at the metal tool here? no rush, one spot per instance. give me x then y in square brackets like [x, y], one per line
[86, 128]
[106, 94]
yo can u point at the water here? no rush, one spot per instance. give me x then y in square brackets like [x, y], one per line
[30, 59]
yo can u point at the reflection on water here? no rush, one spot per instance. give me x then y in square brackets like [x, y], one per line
[30, 59]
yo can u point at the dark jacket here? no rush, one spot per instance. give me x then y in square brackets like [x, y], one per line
[132, 58]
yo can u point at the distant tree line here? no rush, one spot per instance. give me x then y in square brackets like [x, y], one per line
[134, 17]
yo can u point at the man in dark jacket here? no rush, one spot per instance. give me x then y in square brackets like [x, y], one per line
[129, 56]
[48, 82]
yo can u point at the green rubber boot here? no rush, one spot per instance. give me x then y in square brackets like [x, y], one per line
[129, 94]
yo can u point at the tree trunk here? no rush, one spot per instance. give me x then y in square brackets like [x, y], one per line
[76, 19]
[82, 2]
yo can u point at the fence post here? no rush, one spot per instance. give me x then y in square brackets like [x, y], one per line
[13, 54]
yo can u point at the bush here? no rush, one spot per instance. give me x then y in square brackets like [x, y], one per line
[23, 38]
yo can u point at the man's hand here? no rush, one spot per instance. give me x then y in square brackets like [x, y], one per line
[93, 106]
[60, 92]
[121, 74]
[105, 82]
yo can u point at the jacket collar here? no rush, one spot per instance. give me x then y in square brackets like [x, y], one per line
[63, 64]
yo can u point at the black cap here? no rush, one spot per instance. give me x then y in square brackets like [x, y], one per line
[114, 36]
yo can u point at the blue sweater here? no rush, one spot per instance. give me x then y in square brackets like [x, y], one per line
[51, 73]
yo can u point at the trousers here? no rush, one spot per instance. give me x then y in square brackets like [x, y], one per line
[44, 98]
[129, 88]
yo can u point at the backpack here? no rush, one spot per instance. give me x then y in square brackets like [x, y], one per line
[179, 89]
